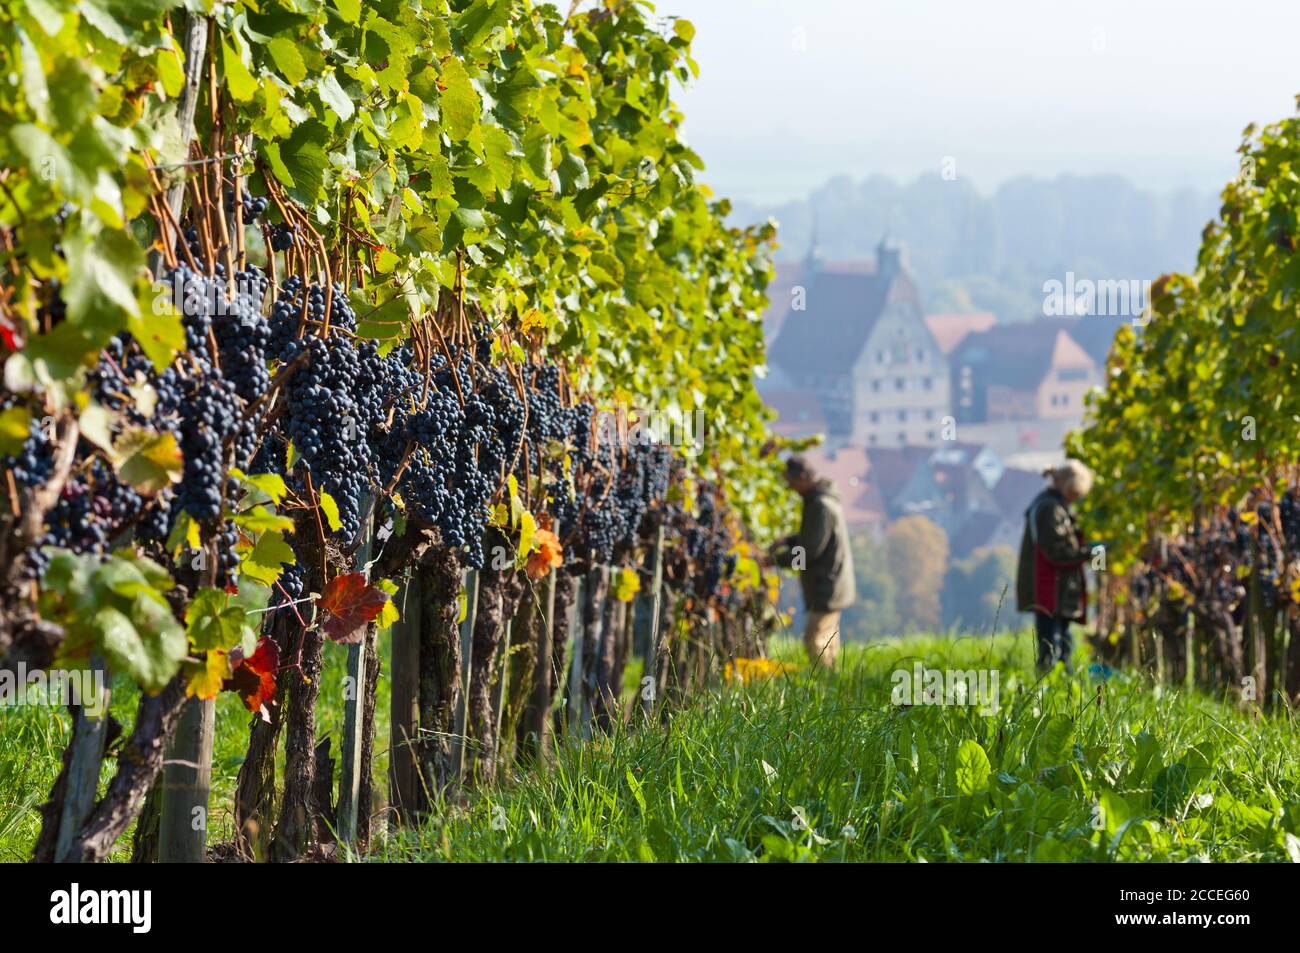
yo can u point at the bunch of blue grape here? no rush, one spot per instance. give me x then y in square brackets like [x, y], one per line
[91, 513]
[286, 311]
[205, 407]
[253, 206]
[324, 425]
[243, 336]
[288, 588]
[35, 462]
[284, 236]
[1288, 510]
[709, 547]
[120, 366]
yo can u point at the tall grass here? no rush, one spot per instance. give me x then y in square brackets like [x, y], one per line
[816, 765]
[822, 766]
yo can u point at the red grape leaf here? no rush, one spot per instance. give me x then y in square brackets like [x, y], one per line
[254, 677]
[351, 603]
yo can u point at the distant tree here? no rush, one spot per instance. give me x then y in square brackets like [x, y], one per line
[873, 615]
[979, 589]
[917, 551]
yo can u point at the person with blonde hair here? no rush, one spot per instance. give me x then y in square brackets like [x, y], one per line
[1049, 577]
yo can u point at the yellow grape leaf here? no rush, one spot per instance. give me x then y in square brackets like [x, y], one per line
[260, 519]
[184, 535]
[627, 585]
[149, 461]
[264, 562]
[389, 614]
[527, 534]
[532, 320]
[331, 511]
[272, 484]
[15, 424]
[206, 682]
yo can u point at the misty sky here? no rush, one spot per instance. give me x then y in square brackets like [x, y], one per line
[792, 92]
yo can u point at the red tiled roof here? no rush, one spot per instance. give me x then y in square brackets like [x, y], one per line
[1018, 355]
[950, 329]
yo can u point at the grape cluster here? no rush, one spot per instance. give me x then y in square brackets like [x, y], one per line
[35, 462]
[443, 427]
[325, 426]
[284, 236]
[253, 206]
[92, 511]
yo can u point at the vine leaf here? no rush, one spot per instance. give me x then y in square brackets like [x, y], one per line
[352, 604]
[150, 462]
[216, 620]
[208, 676]
[628, 584]
[15, 426]
[264, 561]
[460, 101]
[331, 511]
[548, 555]
[253, 677]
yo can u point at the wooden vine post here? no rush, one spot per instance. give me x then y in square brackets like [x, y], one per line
[469, 585]
[574, 716]
[539, 707]
[87, 754]
[355, 699]
[404, 704]
[646, 625]
[499, 700]
[187, 784]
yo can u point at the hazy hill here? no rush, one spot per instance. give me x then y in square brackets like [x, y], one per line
[993, 252]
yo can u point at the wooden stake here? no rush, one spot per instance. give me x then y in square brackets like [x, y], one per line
[187, 784]
[646, 626]
[404, 723]
[354, 701]
[539, 709]
[499, 702]
[575, 657]
[469, 585]
[83, 768]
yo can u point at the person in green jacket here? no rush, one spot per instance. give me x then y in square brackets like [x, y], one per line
[820, 553]
[1049, 577]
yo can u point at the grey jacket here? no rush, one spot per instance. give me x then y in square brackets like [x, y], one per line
[826, 576]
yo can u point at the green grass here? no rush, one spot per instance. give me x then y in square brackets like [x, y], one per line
[32, 739]
[824, 767]
[818, 766]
